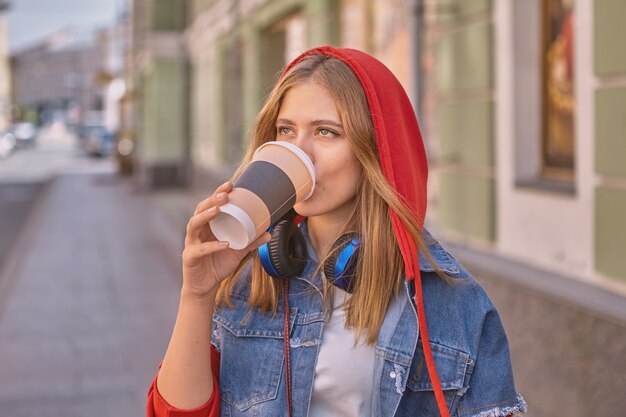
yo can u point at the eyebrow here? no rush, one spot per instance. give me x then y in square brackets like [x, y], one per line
[316, 122]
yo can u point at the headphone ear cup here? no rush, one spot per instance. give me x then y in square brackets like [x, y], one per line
[340, 267]
[287, 249]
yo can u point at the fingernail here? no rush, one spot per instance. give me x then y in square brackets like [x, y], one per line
[221, 195]
[223, 243]
[212, 210]
[224, 185]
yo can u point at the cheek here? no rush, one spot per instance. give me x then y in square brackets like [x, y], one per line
[355, 178]
[339, 166]
[338, 173]
[346, 177]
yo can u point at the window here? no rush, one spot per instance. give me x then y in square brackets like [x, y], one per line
[281, 42]
[558, 112]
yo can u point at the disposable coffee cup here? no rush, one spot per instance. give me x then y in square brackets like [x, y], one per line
[279, 176]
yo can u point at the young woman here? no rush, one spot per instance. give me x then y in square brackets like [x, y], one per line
[399, 329]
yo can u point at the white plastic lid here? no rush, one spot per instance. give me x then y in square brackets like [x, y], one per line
[234, 226]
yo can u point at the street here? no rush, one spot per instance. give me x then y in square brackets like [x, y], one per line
[89, 279]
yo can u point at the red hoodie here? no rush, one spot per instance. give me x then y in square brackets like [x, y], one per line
[403, 160]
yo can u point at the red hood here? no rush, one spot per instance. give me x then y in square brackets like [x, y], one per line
[398, 139]
[403, 161]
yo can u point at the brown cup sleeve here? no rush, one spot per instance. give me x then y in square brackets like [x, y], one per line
[291, 165]
[271, 185]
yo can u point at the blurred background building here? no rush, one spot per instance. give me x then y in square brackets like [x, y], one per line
[522, 104]
[5, 75]
[158, 79]
[523, 108]
[56, 78]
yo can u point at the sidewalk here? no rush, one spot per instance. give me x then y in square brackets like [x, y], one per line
[88, 297]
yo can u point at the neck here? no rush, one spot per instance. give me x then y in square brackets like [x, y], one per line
[324, 230]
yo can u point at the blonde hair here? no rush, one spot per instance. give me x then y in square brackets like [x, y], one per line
[380, 268]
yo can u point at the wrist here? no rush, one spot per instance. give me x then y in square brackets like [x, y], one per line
[191, 297]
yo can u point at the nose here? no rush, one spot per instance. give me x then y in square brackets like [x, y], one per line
[304, 141]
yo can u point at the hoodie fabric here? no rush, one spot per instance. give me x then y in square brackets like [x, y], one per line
[426, 378]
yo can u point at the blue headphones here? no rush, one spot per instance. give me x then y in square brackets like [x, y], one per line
[285, 255]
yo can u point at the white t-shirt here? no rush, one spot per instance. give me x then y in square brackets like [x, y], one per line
[344, 372]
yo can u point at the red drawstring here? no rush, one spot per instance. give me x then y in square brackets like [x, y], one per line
[412, 271]
[286, 346]
[428, 354]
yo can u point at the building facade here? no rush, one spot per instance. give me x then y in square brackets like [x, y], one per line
[523, 106]
[492, 129]
[112, 43]
[59, 76]
[5, 71]
[155, 107]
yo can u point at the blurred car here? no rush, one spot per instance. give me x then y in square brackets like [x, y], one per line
[7, 144]
[25, 134]
[97, 141]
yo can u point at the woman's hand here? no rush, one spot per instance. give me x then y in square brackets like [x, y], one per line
[206, 261]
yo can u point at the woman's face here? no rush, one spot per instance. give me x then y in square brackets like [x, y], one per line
[308, 118]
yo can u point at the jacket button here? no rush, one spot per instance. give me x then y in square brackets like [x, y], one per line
[392, 374]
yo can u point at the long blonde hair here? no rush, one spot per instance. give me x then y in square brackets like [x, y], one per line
[380, 268]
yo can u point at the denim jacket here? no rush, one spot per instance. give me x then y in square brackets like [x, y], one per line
[468, 342]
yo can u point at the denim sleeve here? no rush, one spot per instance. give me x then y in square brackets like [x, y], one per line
[491, 391]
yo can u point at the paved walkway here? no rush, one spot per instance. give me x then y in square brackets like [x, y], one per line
[88, 298]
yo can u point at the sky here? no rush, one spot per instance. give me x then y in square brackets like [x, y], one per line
[31, 20]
